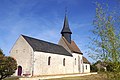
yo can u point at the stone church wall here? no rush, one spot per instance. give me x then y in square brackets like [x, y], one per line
[56, 66]
[78, 63]
[86, 68]
[36, 63]
[22, 52]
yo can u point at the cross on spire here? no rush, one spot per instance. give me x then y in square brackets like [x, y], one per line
[65, 10]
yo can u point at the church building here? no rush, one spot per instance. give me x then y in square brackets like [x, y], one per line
[37, 57]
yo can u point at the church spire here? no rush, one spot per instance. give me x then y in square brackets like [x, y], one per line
[66, 32]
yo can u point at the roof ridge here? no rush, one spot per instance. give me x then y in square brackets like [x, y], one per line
[44, 46]
[40, 40]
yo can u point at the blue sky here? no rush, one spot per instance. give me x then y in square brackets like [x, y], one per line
[43, 19]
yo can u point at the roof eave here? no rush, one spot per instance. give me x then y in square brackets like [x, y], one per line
[53, 53]
[87, 62]
[77, 52]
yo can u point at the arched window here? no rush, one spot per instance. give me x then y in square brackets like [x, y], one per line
[64, 62]
[75, 61]
[49, 58]
[86, 66]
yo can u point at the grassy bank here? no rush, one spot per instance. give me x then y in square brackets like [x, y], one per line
[89, 77]
[12, 78]
[100, 76]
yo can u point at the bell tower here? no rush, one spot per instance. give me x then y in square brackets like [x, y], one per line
[66, 32]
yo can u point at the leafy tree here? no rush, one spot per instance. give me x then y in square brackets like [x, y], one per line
[105, 45]
[1, 53]
[93, 68]
[8, 66]
[98, 66]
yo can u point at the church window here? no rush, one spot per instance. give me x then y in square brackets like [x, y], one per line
[49, 58]
[75, 61]
[86, 66]
[64, 62]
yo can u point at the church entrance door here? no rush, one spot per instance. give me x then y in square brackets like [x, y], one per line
[19, 70]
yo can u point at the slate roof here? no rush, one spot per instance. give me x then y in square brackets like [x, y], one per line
[66, 28]
[73, 47]
[43, 46]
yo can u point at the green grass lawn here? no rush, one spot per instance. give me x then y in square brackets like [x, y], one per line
[12, 78]
[89, 77]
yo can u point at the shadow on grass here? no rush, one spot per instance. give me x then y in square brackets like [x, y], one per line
[12, 78]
